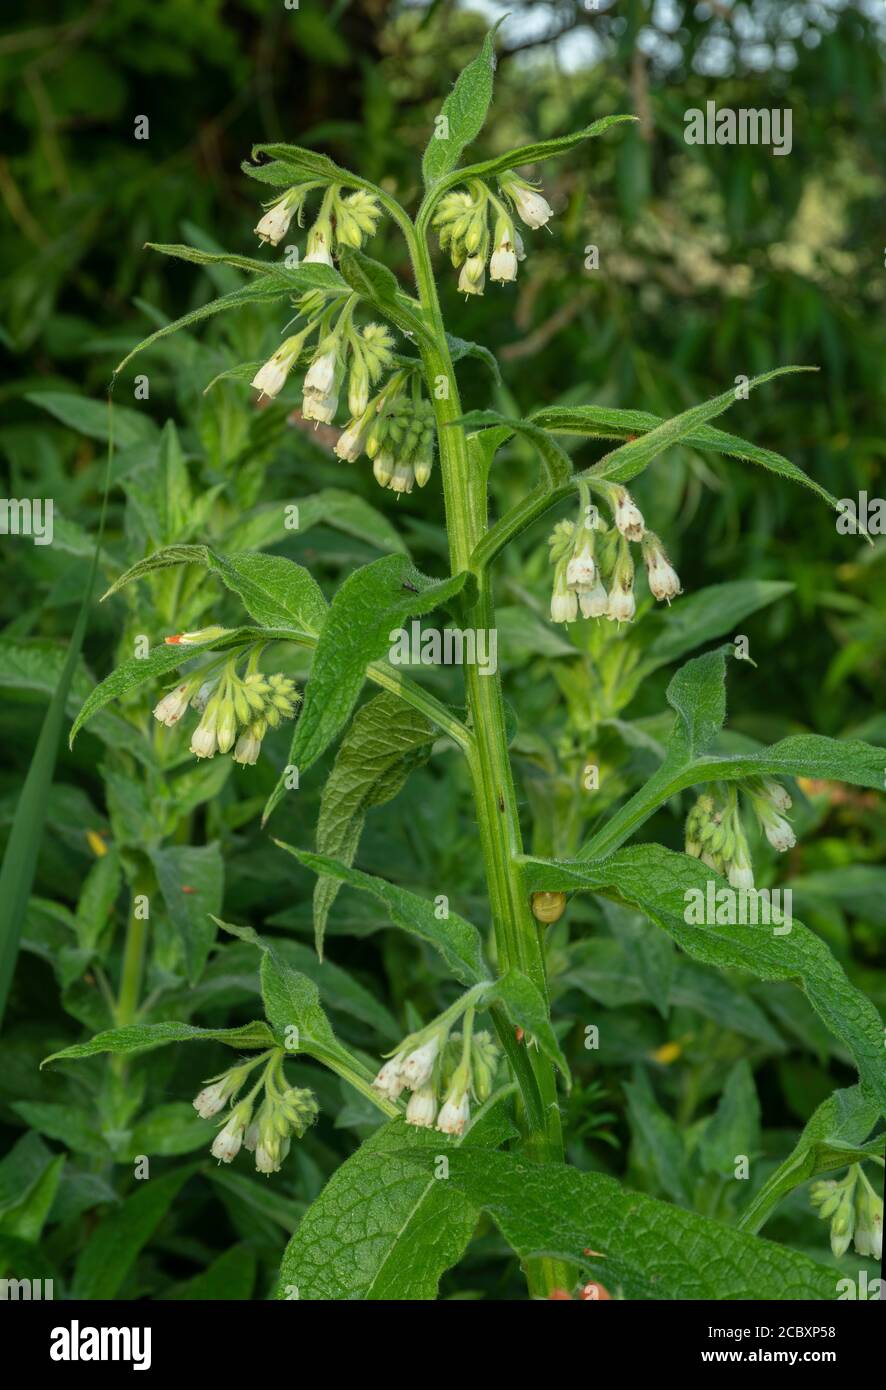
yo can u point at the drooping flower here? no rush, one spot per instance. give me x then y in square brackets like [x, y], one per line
[564, 601]
[531, 206]
[318, 252]
[418, 1066]
[456, 1109]
[594, 603]
[622, 603]
[664, 583]
[390, 1081]
[628, 517]
[248, 746]
[271, 378]
[226, 1144]
[170, 709]
[473, 275]
[581, 572]
[422, 1108]
[503, 265]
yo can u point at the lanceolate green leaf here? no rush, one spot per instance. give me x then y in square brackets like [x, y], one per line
[555, 460]
[383, 744]
[275, 591]
[620, 465]
[528, 1010]
[647, 1249]
[457, 941]
[275, 284]
[540, 149]
[632, 458]
[383, 1227]
[657, 881]
[367, 608]
[602, 422]
[298, 1019]
[142, 1037]
[461, 115]
[834, 1137]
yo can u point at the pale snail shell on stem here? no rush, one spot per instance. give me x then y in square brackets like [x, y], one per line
[548, 907]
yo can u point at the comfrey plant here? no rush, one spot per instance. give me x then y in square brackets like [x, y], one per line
[475, 1116]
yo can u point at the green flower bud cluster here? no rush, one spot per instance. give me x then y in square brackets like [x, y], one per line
[228, 703]
[343, 220]
[854, 1210]
[443, 1070]
[400, 441]
[462, 222]
[284, 1111]
[715, 834]
[355, 217]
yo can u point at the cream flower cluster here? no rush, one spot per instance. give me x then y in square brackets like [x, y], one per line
[444, 1071]
[593, 567]
[228, 702]
[266, 1131]
[715, 831]
[344, 220]
[462, 219]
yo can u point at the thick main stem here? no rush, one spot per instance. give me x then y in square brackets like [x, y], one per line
[517, 937]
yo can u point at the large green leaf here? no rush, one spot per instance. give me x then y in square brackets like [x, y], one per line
[383, 744]
[268, 289]
[656, 880]
[648, 1249]
[834, 1137]
[275, 591]
[370, 604]
[464, 112]
[620, 465]
[384, 1227]
[457, 941]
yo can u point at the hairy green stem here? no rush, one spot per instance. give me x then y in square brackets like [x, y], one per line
[517, 938]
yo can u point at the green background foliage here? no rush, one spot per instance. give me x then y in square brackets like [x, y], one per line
[714, 262]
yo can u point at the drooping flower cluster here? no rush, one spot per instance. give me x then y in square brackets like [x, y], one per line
[462, 219]
[344, 219]
[855, 1213]
[266, 1131]
[437, 1065]
[228, 702]
[342, 351]
[396, 431]
[593, 567]
[715, 832]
